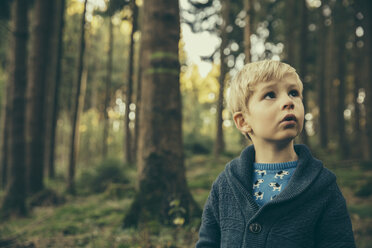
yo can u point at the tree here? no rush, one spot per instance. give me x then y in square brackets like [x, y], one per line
[291, 36]
[15, 196]
[5, 125]
[160, 160]
[37, 84]
[77, 106]
[128, 137]
[108, 87]
[138, 89]
[219, 145]
[5, 109]
[5, 9]
[322, 89]
[359, 141]
[59, 25]
[303, 60]
[340, 35]
[248, 8]
[366, 6]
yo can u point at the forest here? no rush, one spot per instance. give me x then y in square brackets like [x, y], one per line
[113, 119]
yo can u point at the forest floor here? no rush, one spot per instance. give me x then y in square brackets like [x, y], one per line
[95, 220]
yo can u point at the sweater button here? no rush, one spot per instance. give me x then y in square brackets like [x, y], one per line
[255, 228]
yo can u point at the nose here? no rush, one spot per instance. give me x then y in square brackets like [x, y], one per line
[288, 103]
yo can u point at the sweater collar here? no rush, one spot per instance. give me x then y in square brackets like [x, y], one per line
[239, 173]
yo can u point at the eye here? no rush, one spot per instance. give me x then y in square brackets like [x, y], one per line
[269, 95]
[294, 93]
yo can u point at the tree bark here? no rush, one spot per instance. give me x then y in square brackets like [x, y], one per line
[108, 89]
[6, 114]
[78, 102]
[291, 32]
[59, 26]
[367, 7]
[15, 196]
[39, 70]
[161, 171]
[139, 88]
[322, 89]
[341, 77]
[219, 145]
[359, 141]
[331, 56]
[303, 63]
[248, 8]
[138, 107]
[128, 136]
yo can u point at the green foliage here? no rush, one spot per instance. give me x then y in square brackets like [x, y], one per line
[46, 197]
[176, 212]
[362, 210]
[365, 189]
[95, 220]
[197, 144]
[99, 179]
[119, 191]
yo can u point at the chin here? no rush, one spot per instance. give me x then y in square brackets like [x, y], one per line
[288, 137]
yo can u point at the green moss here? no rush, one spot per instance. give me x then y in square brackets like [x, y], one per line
[362, 210]
[164, 55]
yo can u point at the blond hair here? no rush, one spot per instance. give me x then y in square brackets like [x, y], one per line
[242, 85]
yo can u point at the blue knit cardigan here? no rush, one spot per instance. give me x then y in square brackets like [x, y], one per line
[309, 213]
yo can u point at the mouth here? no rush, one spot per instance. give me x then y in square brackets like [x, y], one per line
[289, 119]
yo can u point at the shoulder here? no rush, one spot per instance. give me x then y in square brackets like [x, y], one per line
[325, 175]
[222, 183]
[326, 185]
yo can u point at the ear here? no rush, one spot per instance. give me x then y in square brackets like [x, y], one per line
[241, 123]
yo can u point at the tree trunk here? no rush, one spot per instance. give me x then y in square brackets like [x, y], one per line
[161, 168]
[78, 102]
[331, 85]
[322, 89]
[4, 97]
[5, 118]
[219, 145]
[291, 32]
[39, 70]
[138, 90]
[341, 77]
[367, 7]
[108, 89]
[248, 8]
[15, 196]
[359, 141]
[303, 62]
[59, 26]
[128, 136]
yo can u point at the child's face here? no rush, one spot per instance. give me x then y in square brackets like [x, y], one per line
[275, 111]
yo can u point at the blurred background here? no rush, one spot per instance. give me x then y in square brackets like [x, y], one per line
[113, 122]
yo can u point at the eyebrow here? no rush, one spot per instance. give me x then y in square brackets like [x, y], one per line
[271, 86]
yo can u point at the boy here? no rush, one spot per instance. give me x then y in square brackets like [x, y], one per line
[276, 194]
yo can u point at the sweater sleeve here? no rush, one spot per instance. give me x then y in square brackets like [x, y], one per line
[209, 232]
[334, 228]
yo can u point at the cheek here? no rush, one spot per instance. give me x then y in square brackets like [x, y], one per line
[301, 114]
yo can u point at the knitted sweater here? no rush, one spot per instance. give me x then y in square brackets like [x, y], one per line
[309, 213]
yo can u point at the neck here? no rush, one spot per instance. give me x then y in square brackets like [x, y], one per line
[274, 153]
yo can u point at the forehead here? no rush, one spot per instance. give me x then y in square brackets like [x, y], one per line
[287, 81]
